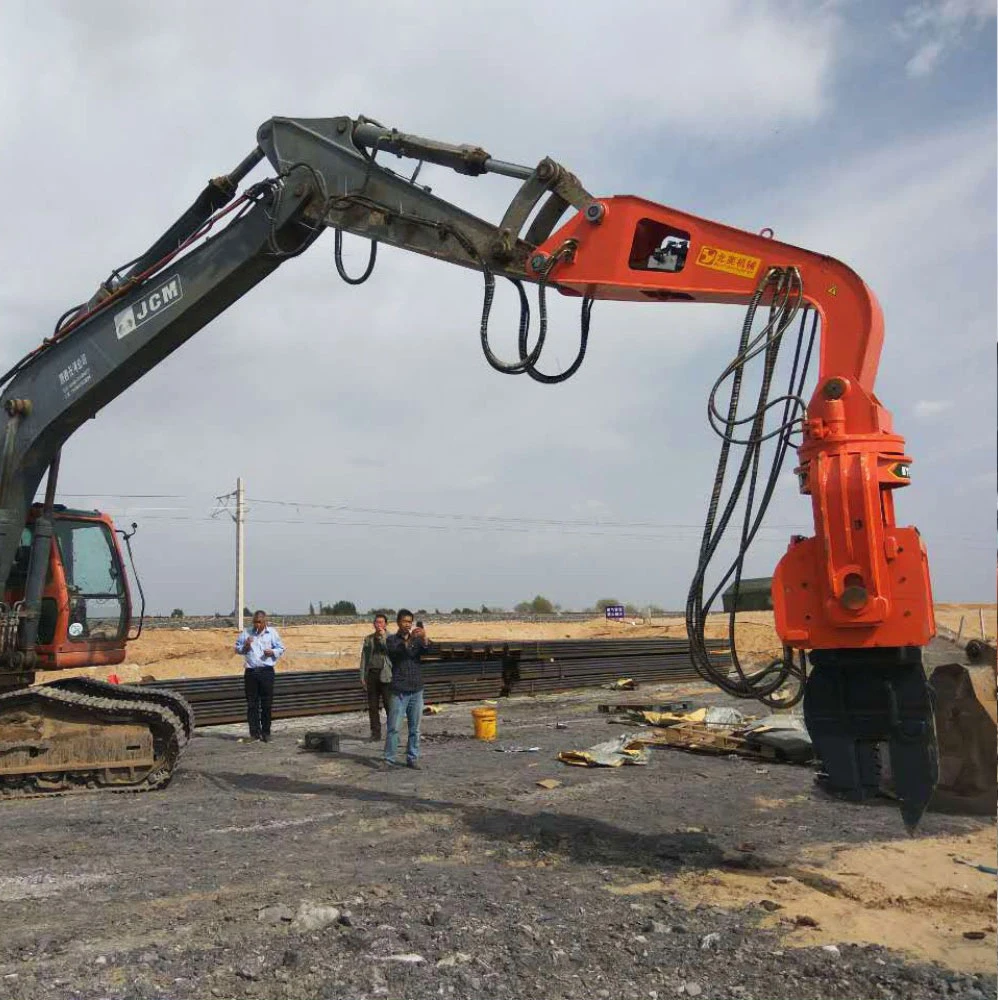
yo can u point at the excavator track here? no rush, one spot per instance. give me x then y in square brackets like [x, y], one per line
[57, 741]
[176, 703]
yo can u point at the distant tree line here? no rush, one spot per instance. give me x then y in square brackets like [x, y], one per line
[629, 609]
[539, 605]
[338, 608]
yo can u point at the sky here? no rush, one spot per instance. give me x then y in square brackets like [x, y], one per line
[385, 463]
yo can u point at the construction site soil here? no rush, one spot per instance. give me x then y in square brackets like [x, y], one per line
[263, 871]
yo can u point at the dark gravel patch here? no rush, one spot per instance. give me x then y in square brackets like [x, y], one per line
[498, 887]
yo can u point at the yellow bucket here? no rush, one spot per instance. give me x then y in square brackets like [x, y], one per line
[485, 723]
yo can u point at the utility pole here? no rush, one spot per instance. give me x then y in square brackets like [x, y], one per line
[222, 507]
[240, 552]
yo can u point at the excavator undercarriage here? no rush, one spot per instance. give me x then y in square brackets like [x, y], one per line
[76, 733]
[80, 734]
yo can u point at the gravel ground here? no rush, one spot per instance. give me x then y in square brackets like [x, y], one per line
[266, 872]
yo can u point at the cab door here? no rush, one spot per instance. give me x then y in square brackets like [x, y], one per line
[90, 589]
[86, 607]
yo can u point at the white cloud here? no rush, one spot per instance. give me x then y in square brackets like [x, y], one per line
[926, 408]
[938, 26]
[924, 61]
[617, 69]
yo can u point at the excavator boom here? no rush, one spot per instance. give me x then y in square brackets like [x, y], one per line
[854, 598]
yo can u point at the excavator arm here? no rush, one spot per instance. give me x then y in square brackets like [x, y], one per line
[856, 595]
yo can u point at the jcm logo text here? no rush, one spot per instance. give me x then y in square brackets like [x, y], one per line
[155, 302]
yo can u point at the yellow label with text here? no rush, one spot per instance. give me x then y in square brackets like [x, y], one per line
[729, 262]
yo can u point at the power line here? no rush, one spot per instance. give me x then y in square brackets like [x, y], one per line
[558, 522]
[526, 530]
[514, 529]
[456, 521]
[126, 496]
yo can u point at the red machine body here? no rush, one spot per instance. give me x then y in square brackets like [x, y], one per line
[860, 581]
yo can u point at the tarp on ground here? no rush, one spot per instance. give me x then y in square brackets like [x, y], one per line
[785, 733]
[612, 753]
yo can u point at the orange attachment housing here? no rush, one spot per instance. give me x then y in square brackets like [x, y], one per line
[860, 581]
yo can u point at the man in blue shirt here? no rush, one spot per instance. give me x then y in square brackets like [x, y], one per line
[261, 648]
[404, 650]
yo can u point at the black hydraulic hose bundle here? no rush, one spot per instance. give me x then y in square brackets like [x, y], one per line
[786, 291]
[528, 359]
[587, 308]
[338, 260]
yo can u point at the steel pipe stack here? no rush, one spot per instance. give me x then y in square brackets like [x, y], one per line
[459, 671]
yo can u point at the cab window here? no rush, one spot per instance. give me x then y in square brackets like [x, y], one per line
[94, 581]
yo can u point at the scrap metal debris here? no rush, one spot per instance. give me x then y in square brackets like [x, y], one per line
[784, 734]
[630, 706]
[612, 753]
[717, 729]
[697, 737]
[623, 684]
[692, 736]
[710, 717]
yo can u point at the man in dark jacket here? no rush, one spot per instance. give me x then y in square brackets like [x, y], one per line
[376, 674]
[405, 649]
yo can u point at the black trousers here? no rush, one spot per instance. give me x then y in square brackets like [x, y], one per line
[259, 684]
[377, 696]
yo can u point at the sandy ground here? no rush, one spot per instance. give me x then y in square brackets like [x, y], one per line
[163, 653]
[907, 895]
[700, 876]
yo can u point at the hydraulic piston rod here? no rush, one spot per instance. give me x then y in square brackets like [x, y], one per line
[464, 159]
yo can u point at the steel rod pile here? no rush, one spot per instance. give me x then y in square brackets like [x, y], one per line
[563, 649]
[463, 672]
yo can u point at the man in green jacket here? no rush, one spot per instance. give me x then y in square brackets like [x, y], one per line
[376, 674]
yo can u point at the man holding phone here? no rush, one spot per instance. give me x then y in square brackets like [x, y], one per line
[405, 648]
[261, 648]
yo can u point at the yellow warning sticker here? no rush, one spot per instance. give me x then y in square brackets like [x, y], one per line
[729, 262]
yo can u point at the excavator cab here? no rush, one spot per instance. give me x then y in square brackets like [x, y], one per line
[76, 733]
[86, 606]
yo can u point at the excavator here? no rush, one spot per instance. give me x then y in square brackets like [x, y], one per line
[852, 603]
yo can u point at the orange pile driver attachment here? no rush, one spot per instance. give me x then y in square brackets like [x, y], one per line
[856, 595]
